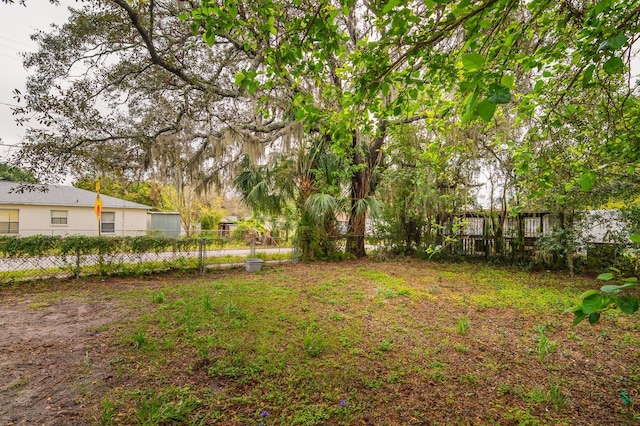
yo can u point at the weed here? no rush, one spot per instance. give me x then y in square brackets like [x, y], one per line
[170, 405]
[388, 293]
[553, 395]
[385, 345]
[188, 318]
[373, 383]
[139, 339]
[234, 311]
[468, 378]
[107, 413]
[435, 364]
[158, 298]
[538, 395]
[437, 376]
[311, 415]
[523, 418]
[463, 349]
[463, 325]
[207, 305]
[334, 316]
[344, 342]
[545, 347]
[314, 344]
[86, 363]
[556, 396]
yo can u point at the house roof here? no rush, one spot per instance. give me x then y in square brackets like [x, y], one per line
[229, 219]
[59, 195]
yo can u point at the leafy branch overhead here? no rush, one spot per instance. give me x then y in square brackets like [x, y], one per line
[611, 296]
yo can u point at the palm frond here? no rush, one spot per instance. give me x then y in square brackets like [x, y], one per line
[321, 205]
[368, 205]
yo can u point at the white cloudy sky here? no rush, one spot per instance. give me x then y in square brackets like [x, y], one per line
[17, 23]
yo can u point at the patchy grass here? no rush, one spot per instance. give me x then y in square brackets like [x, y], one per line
[366, 343]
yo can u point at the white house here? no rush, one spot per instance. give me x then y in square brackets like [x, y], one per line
[65, 210]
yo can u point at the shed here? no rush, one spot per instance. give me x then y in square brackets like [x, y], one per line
[164, 224]
[226, 226]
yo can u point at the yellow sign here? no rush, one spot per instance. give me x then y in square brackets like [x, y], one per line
[98, 206]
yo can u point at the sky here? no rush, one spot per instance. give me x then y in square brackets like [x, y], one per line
[17, 23]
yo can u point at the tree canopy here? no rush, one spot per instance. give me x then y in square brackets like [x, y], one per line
[537, 96]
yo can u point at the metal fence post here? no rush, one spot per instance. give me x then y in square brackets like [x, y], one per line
[294, 250]
[252, 247]
[78, 260]
[203, 246]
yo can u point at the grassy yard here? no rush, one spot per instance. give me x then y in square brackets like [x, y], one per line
[361, 343]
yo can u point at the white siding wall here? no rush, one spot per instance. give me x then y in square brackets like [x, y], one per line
[34, 220]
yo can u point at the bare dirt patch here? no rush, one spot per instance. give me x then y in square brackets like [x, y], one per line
[54, 354]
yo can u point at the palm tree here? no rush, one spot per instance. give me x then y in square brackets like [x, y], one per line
[309, 178]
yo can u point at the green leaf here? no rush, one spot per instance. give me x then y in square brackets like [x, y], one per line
[592, 303]
[538, 86]
[587, 180]
[627, 304]
[631, 280]
[507, 81]
[209, 37]
[470, 105]
[612, 288]
[617, 42]
[587, 294]
[605, 276]
[635, 238]
[233, 11]
[579, 317]
[594, 317]
[472, 61]
[499, 94]
[239, 78]
[486, 109]
[390, 5]
[588, 75]
[613, 66]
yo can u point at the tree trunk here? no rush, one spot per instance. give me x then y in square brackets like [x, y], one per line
[357, 219]
[369, 157]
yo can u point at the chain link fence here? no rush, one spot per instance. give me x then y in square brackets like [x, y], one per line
[55, 257]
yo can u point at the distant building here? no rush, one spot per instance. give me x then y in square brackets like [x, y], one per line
[226, 226]
[164, 224]
[65, 210]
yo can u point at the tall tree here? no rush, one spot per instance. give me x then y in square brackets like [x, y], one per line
[16, 174]
[122, 82]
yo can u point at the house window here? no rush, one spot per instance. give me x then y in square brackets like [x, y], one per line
[108, 222]
[58, 217]
[8, 221]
